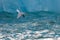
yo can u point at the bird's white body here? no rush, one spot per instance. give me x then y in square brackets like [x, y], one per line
[19, 14]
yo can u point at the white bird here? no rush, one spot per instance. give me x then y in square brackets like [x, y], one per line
[19, 13]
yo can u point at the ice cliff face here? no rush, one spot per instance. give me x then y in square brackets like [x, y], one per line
[30, 5]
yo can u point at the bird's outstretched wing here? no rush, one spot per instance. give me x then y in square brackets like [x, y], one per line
[19, 14]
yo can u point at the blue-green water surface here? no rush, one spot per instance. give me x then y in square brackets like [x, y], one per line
[43, 23]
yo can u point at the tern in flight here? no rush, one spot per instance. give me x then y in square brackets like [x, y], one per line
[19, 14]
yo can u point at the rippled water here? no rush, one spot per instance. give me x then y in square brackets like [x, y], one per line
[35, 25]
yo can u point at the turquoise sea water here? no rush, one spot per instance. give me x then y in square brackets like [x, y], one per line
[34, 25]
